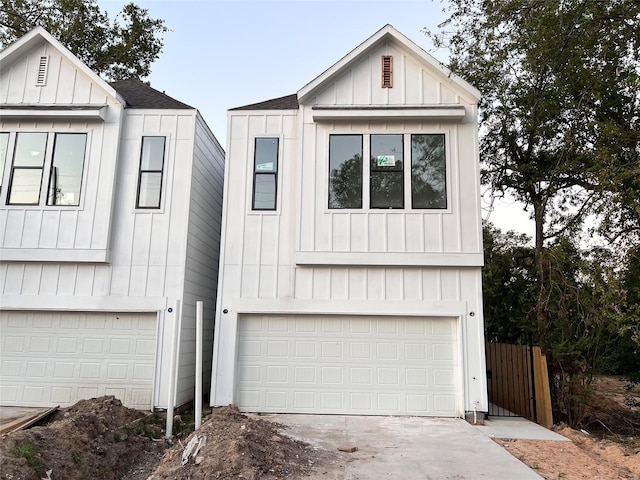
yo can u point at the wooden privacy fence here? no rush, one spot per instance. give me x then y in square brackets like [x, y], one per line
[518, 382]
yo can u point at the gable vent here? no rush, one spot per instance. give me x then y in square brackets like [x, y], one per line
[387, 71]
[42, 72]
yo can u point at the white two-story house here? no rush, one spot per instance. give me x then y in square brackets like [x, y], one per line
[110, 208]
[351, 243]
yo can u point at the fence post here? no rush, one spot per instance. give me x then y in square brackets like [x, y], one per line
[543, 392]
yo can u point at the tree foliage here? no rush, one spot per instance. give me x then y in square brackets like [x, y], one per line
[560, 81]
[119, 49]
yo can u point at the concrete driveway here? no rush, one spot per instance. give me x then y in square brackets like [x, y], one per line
[404, 448]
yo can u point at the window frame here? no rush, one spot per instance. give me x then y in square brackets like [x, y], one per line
[407, 178]
[272, 173]
[142, 171]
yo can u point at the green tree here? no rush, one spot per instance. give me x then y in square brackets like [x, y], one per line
[117, 50]
[559, 113]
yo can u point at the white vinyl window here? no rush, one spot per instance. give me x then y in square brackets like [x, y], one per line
[42, 159]
[150, 173]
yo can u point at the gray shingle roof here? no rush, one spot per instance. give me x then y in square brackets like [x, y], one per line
[138, 94]
[289, 102]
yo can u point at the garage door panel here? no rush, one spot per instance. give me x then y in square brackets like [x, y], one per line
[59, 358]
[371, 367]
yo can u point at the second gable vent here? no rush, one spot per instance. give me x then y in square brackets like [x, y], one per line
[42, 71]
[387, 71]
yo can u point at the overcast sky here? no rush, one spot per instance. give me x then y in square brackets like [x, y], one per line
[224, 54]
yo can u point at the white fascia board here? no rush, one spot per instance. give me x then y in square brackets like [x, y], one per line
[389, 259]
[389, 32]
[65, 303]
[66, 255]
[385, 112]
[71, 112]
[37, 34]
[348, 307]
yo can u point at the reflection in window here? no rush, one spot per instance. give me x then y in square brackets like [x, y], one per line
[428, 171]
[4, 144]
[345, 171]
[265, 174]
[26, 172]
[150, 177]
[386, 181]
[65, 179]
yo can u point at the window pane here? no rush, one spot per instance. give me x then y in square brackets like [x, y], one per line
[428, 171]
[387, 185]
[66, 169]
[152, 153]
[345, 171]
[266, 155]
[150, 184]
[30, 149]
[4, 144]
[264, 193]
[387, 190]
[25, 186]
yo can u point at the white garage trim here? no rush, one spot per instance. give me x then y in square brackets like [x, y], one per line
[58, 358]
[364, 365]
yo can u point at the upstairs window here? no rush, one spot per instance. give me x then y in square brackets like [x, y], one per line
[4, 145]
[387, 179]
[265, 174]
[150, 172]
[428, 171]
[387, 176]
[26, 171]
[65, 178]
[345, 171]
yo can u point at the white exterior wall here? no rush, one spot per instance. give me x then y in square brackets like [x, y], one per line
[105, 255]
[71, 234]
[306, 258]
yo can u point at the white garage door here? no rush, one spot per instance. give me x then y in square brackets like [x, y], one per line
[58, 358]
[348, 365]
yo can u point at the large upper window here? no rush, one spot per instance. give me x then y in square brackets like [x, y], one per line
[39, 157]
[265, 174]
[387, 176]
[150, 174]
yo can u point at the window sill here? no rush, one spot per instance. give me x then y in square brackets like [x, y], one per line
[389, 259]
[63, 255]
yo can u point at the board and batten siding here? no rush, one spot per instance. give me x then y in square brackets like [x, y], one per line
[150, 265]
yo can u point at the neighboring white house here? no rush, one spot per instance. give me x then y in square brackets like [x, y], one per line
[353, 286]
[110, 210]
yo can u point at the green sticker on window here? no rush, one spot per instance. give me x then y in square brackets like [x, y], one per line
[386, 160]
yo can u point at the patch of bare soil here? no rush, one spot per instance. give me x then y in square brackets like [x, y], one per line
[610, 449]
[96, 438]
[101, 438]
[232, 445]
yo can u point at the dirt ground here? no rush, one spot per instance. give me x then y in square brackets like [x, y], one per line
[100, 438]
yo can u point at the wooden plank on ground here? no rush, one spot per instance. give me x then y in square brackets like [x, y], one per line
[27, 420]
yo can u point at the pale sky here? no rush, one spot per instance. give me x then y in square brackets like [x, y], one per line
[224, 54]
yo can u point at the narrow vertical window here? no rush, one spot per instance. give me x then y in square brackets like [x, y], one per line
[387, 71]
[265, 174]
[428, 171]
[4, 144]
[65, 179]
[386, 180]
[345, 171]
[26, 171]
[150, 176]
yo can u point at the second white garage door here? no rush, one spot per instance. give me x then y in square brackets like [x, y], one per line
[348, 365]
